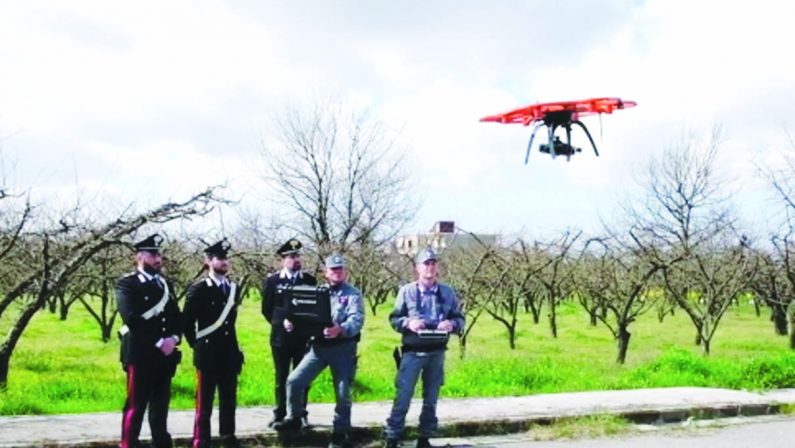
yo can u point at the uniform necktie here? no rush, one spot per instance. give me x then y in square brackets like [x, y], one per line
[158, 281]
[225, 287]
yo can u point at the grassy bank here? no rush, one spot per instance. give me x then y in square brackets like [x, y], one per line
[63, 367]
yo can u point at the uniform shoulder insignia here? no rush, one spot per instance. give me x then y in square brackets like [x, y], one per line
[129, 274]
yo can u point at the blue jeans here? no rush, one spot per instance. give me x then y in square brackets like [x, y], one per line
[342, 361]
[431, 365]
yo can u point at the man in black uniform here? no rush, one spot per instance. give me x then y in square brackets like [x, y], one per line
[209, 326]
[288, 348]
[149, 335]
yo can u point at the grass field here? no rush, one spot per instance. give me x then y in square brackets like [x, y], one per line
[63, 367]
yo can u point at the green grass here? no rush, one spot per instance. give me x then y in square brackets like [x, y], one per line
[589, 427]
[63, 367]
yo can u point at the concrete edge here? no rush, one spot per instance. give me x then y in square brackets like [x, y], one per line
[372, 435]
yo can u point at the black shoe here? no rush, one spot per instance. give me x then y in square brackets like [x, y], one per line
[391, 443]
[423, 442]
[230, 442]
[274, 421]
[288, 424]
[339, 440]
[305, 422]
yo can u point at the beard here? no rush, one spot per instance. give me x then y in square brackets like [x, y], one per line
[150, 268]
[221, 270]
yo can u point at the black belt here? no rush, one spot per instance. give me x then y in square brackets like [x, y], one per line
[424, 348]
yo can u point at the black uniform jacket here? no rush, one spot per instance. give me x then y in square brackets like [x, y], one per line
[135, 295]
[204, 305]
[275, 310]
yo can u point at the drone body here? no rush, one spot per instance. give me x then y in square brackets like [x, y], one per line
[564, 114]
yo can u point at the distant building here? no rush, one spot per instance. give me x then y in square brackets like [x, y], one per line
[441, 237]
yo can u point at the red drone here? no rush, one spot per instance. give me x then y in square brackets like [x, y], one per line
[561, 114]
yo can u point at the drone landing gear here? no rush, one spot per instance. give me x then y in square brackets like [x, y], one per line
[555, 147]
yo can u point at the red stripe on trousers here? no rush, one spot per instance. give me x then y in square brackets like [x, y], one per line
[196, 430]
[126, 422]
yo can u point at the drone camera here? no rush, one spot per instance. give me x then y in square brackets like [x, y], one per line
[560, 148]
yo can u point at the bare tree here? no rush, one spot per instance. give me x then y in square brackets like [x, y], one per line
[183, 262]
[780, 178]
[94, 286]
[686, 224]
[51, 274]
[377, 273]
[477, 285]
[708, 282]
[774, 284]
[557, 276]
[530, 263]
[338, 178]
[502, 289]
[517, 278]
[617, 280]
[776, 281]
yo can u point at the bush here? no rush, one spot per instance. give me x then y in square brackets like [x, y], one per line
[769, 372]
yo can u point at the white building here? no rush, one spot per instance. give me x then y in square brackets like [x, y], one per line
[442, 236]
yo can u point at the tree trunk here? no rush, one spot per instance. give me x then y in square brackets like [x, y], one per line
[462, 346]
[63, 311]
[779, 319]
[791, 316]
[758, 311]
[5, 358]
[592, 317]
[623, 343]
[698, 338]
[553, 323]
[705, 346]
[512, 337]
[106, 332]
[536, 314]
[10, 342]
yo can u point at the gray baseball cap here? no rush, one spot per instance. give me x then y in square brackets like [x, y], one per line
[335, 261]
[426, 255]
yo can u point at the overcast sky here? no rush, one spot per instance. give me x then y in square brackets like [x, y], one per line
[151, 100]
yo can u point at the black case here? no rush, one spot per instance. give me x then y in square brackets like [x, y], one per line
[308, 307]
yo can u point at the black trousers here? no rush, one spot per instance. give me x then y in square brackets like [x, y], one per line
[225, 380]
[146, 385]
[286, 358]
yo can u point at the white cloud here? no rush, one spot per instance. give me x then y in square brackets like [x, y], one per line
[96, 87]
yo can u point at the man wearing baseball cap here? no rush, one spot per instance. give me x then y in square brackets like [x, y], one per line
[336, 349]
[425, 313]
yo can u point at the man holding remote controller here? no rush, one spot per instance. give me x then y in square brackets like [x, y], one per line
[425, 313]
